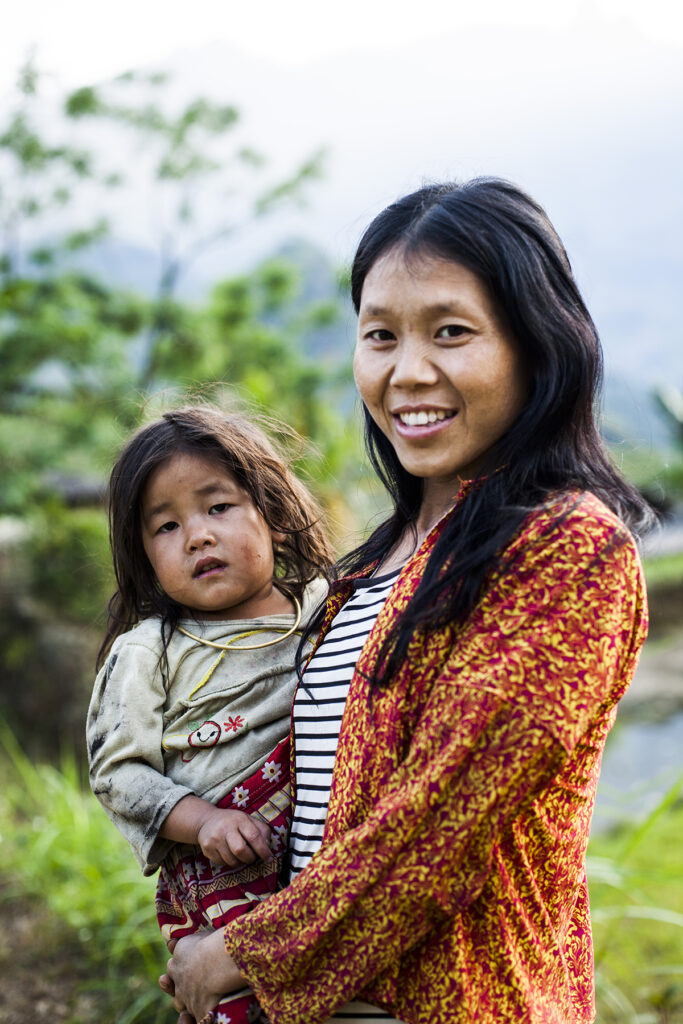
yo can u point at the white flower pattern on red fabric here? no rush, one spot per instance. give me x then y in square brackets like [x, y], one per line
[240, 795]
[271, 770]
[279, 841]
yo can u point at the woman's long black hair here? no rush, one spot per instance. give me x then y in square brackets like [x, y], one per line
[504, 237]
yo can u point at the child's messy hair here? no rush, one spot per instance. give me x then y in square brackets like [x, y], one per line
[245, 451]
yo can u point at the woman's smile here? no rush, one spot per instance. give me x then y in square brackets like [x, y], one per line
[421, 422]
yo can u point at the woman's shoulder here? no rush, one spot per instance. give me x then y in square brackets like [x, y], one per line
[576, 522]
[577, 510]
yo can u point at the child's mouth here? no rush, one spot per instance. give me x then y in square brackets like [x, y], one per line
[207, 567]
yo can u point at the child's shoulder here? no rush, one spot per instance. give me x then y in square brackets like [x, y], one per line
[147, 633]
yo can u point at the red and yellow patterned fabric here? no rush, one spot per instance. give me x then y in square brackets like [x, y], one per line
[450, 887]
[193, 893]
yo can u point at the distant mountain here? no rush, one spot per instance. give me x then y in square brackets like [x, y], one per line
[589, 119]
[629, 411]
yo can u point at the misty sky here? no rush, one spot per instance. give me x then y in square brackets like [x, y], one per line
[580, 102]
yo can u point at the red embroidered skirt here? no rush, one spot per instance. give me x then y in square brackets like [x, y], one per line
[194, 894]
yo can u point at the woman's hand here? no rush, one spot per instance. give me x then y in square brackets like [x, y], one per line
[200, 973]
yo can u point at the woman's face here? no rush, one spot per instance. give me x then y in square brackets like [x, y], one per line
[436, 366]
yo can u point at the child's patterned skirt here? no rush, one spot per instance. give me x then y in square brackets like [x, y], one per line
[193, 893]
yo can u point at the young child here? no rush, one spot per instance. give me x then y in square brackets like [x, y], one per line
[218, 552]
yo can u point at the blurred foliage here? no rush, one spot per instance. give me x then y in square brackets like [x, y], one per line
[81, 357]
[637, 912]
[664, 570]
[83, 360]
[658, 473]
[669, 401]
[58, 845]
[70, 560]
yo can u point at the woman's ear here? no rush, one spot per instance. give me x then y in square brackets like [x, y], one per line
[278, 538]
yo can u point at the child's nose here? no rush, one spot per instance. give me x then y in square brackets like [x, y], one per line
[199, 536]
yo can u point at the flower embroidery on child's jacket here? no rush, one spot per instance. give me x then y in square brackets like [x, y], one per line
[234, 724]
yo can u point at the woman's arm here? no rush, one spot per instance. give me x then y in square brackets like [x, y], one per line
[201, 969]
[554, 641]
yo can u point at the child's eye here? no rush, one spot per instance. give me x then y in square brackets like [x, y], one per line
[221, 506]
[167, 527]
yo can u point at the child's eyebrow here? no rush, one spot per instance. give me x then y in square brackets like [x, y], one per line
[212, 487]
[157, 509]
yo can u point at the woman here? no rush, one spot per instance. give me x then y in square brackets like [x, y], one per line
[450, 884]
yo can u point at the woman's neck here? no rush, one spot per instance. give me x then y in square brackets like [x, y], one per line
[432, 511]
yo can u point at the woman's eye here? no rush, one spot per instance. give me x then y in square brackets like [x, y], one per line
[451, 331]
[221, 506]
[380, 334]
[167, 527]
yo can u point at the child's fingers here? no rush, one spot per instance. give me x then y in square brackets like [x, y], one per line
[240, 848]
[258, 836]
[247, 843]
[222, 853]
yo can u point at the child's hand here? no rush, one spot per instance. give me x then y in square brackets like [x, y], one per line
[233, 838]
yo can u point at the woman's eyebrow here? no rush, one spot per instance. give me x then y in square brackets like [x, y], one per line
[374, 311]
[452, 308]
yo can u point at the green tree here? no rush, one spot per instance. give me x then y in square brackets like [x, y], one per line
[79, 351]
[204, 190]
[81, 359]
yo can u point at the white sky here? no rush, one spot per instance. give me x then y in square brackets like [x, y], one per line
[83, 41]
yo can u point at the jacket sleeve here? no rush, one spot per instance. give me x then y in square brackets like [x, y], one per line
[554, 643]
[124, 733]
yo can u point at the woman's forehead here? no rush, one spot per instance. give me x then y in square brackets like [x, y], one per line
[432, 283]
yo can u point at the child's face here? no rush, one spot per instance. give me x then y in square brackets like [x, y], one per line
[210, 548]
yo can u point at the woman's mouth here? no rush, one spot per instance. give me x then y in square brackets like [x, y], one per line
[423, 421]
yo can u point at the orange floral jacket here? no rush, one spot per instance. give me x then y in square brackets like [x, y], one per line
[451, 887]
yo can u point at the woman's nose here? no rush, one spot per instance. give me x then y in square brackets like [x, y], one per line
[413, 366]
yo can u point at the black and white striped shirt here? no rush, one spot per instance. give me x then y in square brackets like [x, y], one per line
[317, 716]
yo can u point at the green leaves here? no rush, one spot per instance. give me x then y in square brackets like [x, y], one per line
[84, 102]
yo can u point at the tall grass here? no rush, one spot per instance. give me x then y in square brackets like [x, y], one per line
[56, 844]
[636, 886]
